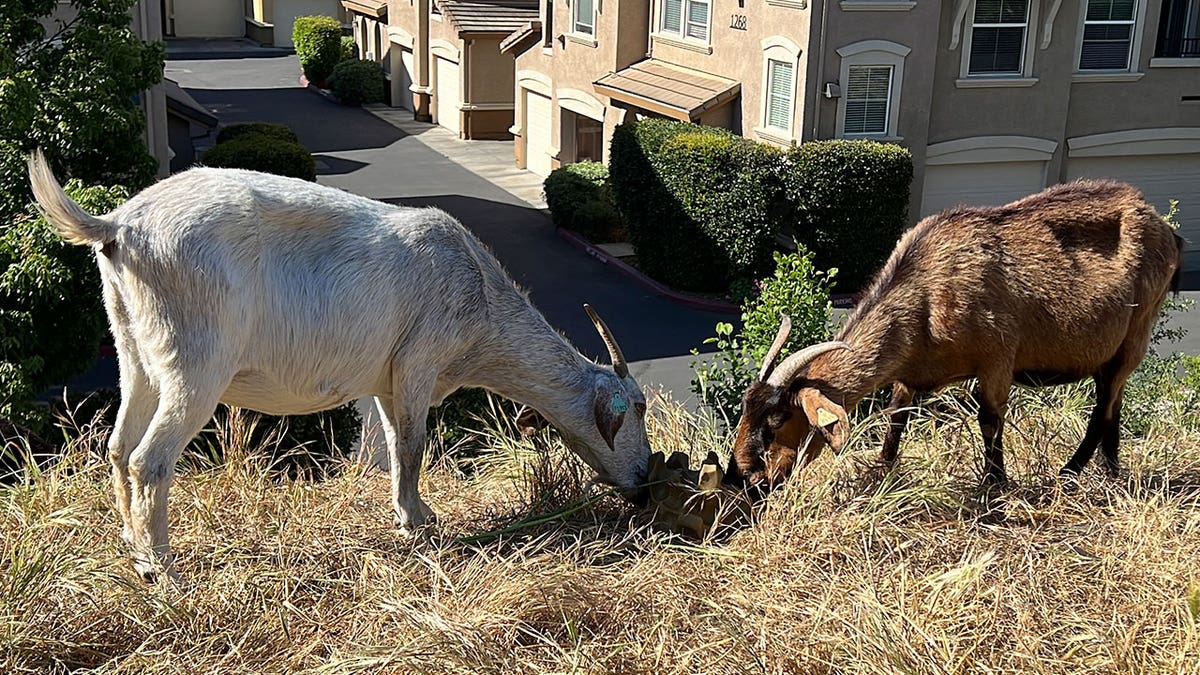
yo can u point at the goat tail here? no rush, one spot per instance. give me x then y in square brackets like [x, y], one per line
[69, 219]
[1177, 277]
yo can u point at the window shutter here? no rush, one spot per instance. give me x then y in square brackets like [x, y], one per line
[672, 14]
[779, 95]
[868, 92]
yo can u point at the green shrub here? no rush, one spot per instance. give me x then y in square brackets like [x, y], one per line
[580, 199]
[51, 313]
[261, 153]
[318, 41]
[851, 203]
[797, 289]
[357, 82]
[702, 205]
[279, 132]
[349, 49]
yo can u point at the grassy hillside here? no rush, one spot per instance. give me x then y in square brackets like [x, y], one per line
[850, 569]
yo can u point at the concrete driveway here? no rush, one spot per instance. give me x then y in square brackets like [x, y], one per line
[359, 152]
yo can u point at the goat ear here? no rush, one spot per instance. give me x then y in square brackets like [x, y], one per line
[610, 409]
[530, 421]
[827, 417]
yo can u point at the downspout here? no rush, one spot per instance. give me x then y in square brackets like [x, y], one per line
[820, 71]
[468, 95]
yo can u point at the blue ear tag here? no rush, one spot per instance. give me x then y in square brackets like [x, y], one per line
[618, 404]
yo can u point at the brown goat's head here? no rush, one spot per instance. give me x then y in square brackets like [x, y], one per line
[786, 420]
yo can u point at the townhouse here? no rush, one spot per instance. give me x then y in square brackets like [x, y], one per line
[994, 98]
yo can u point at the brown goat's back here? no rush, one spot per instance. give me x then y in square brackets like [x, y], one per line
[1054, 281]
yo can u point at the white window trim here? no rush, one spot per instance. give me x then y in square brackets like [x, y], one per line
[968, 31]
[1135, 47]
[682, 39]
[873, 53]
[779, 48]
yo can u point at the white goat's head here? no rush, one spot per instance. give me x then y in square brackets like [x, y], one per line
[607, 426]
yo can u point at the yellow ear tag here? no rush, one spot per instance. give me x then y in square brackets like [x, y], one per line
[825, 418]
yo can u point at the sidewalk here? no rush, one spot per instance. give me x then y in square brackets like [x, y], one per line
[490, 160]
[220, 48]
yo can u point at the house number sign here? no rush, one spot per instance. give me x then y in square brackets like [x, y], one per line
[737, 21]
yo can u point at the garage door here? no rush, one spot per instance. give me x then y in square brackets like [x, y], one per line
[988, 184]
[539, 115]
[402, 70]
[1161, 178]
[447, 94]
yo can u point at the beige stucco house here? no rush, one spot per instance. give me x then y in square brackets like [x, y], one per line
[994, 98]
[266, 21]
[445, 62]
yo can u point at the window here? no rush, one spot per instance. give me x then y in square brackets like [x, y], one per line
[583, 17]
[780, 80]
[998, 37]
[872, 79]
[1179, 30]
[548, 24]
[1108, 34]
[686, 18]
[868, 95]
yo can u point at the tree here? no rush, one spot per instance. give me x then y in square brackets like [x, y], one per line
[74, 92]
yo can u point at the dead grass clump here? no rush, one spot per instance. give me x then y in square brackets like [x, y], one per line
[849, 569]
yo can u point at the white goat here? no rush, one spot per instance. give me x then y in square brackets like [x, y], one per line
[287, 297]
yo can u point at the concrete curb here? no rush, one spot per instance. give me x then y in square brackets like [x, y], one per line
[645, 281]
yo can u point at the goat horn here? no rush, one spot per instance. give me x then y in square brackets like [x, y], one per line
[785, 327]
[796, 363]
[614, 352]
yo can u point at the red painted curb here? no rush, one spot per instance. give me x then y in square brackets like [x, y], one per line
[645, 281]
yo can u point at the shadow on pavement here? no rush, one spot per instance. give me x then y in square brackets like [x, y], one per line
[321, 124]
[333, 166]
[560, 278]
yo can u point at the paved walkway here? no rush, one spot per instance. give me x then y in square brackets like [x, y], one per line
[491, 160]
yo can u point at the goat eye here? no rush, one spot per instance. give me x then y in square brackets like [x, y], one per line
[776, 420]
[640, 408]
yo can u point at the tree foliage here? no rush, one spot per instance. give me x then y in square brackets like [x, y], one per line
[71, 85]
[73, 90]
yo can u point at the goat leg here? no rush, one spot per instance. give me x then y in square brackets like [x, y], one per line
[900, 409]
[993, 403]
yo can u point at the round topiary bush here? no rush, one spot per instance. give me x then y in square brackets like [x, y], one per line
[357, 82]
[579, 199]
[278, 132]
[263, 153]
[318, 41]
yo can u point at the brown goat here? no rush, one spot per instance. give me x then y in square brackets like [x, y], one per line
[1053, 288]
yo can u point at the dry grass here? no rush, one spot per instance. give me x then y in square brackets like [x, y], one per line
[850, 569]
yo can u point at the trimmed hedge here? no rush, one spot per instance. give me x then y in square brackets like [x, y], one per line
[278, 132]
[357, 82]
[580, 198]
[318, 42]
[349, 49]
[263, 153]
[702, 205]
[851, 203]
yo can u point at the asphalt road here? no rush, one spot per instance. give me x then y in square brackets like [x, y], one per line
[359, 152]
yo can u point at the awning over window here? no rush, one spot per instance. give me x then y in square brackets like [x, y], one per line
[667, 89]
[375, 8]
